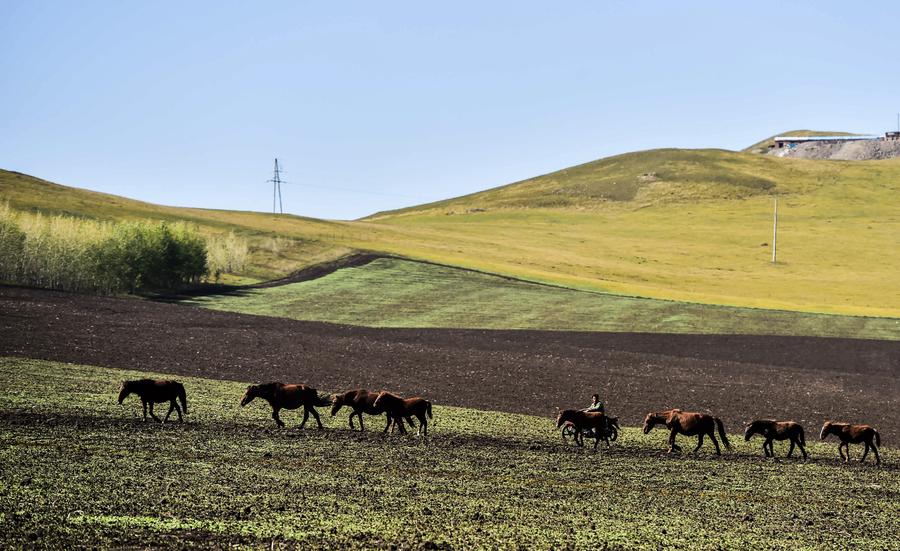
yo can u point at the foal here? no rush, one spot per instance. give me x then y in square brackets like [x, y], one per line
[361, 401]
[281, 396]
[398, 408]
[777, 430]
[853, 434]
[689, 424]
[155, 392]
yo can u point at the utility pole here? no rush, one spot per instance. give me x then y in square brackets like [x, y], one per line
[775, 233]
[277, 206]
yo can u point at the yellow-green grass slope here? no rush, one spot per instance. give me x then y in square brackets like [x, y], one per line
[392, 292]
[81, 470]
[690, 225]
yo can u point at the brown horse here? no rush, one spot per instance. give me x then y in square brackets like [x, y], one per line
[597, 422]
[777, 430]
[854, 434]
[361, 401]
[689, 424]
[281, 396]
[155, 392]
[398, 408]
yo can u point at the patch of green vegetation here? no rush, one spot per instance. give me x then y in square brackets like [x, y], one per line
[392, 292]
[80, 470]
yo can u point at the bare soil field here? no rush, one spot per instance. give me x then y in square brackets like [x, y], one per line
[737, 377]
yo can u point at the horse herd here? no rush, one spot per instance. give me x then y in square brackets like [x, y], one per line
[595, 425]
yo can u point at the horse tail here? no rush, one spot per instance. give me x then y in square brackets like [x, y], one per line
[322, 400]
[182, 395]
[428, 411]
[722, 434]
[877, 438]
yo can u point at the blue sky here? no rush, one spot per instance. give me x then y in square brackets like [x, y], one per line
[378, 105]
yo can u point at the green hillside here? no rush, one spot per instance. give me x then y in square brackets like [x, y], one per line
[687, 225]
[390, 292]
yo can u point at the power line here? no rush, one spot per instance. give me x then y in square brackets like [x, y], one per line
[369, 192]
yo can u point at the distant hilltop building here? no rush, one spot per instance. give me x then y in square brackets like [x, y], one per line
[793, 141]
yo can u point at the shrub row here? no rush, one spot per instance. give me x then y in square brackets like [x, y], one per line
[73, 254]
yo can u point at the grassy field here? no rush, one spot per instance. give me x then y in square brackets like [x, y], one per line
[689, 225]
[78, 469]
[391, 292]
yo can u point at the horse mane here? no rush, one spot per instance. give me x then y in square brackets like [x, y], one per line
[389, 396]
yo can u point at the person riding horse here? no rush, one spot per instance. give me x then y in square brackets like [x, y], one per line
[595, 407]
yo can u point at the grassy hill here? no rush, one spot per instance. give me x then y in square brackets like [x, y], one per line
[391, 292]
[80, 468]
[688, 225]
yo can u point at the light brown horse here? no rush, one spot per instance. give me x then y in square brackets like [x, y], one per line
[399, 408]
[151, 392]
[777, 430]
[853, 434]
[597, 422]
[689, 424]
[281, 396]
[361, 401]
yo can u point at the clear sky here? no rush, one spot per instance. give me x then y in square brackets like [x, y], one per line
[378, 105]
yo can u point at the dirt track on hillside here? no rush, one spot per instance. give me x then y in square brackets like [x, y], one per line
[736, 377]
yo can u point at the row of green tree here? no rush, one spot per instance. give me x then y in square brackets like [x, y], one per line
[74, 254]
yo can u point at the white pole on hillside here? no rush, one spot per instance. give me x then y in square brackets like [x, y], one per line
[775, 233]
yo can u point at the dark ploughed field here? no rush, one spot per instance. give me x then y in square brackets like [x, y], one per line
[736, 377]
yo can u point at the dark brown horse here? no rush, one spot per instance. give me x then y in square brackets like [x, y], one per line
[853, 434]
[598, 423]
[777, 430]
[281, 396]
[155, 392]
[361, 401]
[400, 408]
[689, 424]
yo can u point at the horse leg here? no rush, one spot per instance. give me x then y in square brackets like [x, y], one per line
[153, 414]
[389, 420]
[168, 413]
[178, 411]
[362, 428]
[352, 413]
[305, 416]
[672, 445]
[398, 424]
[715, 441]
[865, 453]
[275, 416]
[877, 457]
[791, 449]
[699, 442]
[802, 449]
[423, 425]
[315, 415]
[143, 403]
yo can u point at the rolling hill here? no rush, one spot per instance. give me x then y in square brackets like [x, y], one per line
[685, 225]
